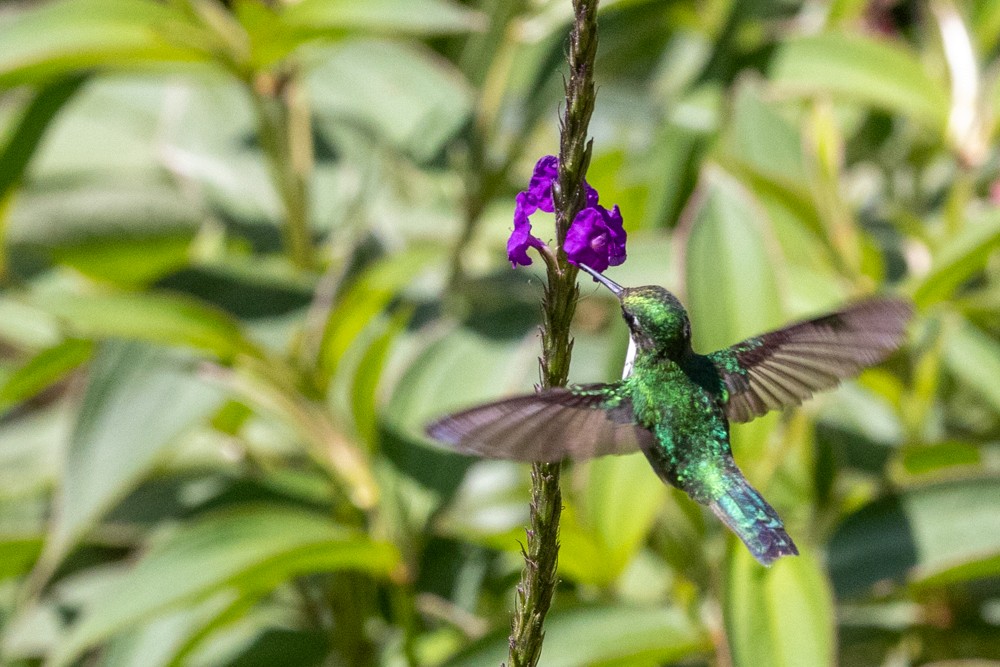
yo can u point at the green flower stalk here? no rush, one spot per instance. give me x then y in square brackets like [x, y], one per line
[541, 552]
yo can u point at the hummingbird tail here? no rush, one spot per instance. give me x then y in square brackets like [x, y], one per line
[754, 521]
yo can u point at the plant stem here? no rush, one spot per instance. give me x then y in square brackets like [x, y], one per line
[285, 134]
[538, 578]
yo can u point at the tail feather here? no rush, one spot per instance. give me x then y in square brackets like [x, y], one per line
[754, 521]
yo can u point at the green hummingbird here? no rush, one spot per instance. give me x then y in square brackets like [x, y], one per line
[675, 405]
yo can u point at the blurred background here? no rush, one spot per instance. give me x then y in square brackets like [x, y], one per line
[251, 247]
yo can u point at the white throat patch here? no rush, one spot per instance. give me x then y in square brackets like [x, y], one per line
[629, 358]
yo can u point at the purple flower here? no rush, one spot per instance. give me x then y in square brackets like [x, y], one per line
[596, 238]
[521, 239]
[540, 186]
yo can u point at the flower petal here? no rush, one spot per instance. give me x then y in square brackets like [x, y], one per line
[521, 239]
[616, 234]
[587, 240]
[540, 185]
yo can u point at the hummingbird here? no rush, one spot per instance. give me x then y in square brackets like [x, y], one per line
[675, 405]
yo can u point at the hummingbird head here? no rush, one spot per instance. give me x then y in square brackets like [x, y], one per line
[656, 319]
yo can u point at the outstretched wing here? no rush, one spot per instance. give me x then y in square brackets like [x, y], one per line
[579, 422]
[783, 368]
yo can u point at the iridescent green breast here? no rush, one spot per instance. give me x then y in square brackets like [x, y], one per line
[691, 432]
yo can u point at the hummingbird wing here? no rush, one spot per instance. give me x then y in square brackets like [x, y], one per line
[784, 367]
[578, 422]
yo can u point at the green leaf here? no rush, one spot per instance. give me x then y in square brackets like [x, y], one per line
[139, 401]
[778, 616]
[18, 554]
[57, 38]
[621, 520]
[934, 458]
[27, 135]
[31, 452]
[732, 292]
[366, 297]
[458, 370]
[404, 94]
[929, 536]
[601, 635]
[974, 358]
[127, 233]
[859, 69]
[43, 370]
[165, 640]
[364, 387]
[764, 139]
[419, 17]
[151, 317]
[960, 259]
[252, 550]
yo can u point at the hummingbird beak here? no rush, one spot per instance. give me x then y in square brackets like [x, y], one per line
[615, 288]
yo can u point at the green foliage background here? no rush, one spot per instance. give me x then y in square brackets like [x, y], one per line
[251, 247]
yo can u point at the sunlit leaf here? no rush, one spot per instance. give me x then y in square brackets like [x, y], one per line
[857, 69]
[779, 616]
[72, 35]
[402, 93]
[960, 259]
[368, 374]
[622, 497]
[974, 358]
[160, 318]
[732, 292]
[251, 550]
[931, 535]
[601, 635]
[20, 146]
[18, 554]
[383, 16]
[139, 401]
[44, 369]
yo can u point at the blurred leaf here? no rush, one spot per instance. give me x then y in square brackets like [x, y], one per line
[420, 17]
[19, 148]
[460, 369]
[959, 259]
[732, 292]
[364, 399]
[400, 93]
[931, 535]
[859, 69]
[43, 370]
[364, 299]
[139, 400]
[18, 554]
[162, 641]
[622, 499]
[160, 318]
[128, 262]
[765, 150]
[245, 289]
[31, 453]
[761, 137]
[252, 549]
[974, 358]
[490, 503]
[671, 166]
[127, 233]
[56, 38]
[926, 459]
[594, 636]
[778, 616]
